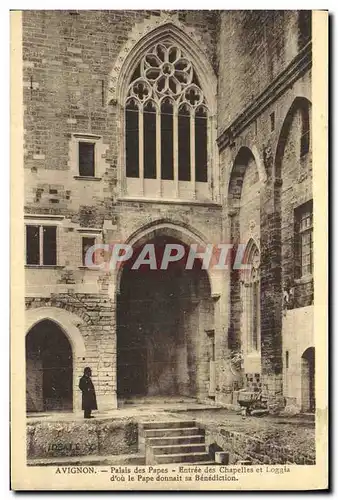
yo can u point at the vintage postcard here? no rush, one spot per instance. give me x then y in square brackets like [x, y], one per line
[169, 250]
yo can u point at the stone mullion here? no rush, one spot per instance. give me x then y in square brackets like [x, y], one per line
[158, 150]
[41, 245]
[141, 148]
[121, 127]
[192, 153]
[210, 172]
[175, 145]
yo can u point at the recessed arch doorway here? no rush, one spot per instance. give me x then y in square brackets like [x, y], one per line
[162, 320]
[49, 368]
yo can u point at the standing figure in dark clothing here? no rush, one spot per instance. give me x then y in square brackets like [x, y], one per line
[88, 393]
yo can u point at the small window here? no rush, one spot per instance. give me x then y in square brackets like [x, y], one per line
[211, 335]
[272, 121]
[41, 245]
[87, 243]
[287, 359]
[304, 239]
[86, 159]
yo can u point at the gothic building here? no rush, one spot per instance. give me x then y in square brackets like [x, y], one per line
[180, 127]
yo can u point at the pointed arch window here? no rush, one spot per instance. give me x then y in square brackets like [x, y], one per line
[166, 123]
[252, 299]
[305, 129]
[255, 305]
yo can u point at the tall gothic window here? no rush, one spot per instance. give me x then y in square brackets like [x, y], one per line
[255, 303]
[166, 123]
[304, 240]
[252, 299]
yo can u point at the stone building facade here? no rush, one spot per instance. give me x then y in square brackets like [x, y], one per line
[189, 127]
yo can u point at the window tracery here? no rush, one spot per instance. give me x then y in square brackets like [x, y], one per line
[166, 120]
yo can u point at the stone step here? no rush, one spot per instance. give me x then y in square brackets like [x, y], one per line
[207, 462]
[179, 431]
[161, 441]
[183, 458]
[178, 449]
[169, 425]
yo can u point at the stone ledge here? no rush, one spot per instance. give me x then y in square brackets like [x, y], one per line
[173, 201]
[87, 178]
[81, 438]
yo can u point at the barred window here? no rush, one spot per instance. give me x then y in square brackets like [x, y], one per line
[304, 239]
[166, 119]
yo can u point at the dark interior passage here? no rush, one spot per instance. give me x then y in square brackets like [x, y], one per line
[308, 380]
[49, 369]
[161, 314]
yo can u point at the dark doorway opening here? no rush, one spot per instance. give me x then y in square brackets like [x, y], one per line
[161, 314]
[49, 369]
[308, 380]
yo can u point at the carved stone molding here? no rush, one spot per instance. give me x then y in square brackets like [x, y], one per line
[298, 66]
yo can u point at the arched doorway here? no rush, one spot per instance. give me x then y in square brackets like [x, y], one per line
[49, 369]
[308, 380]
[163, 319]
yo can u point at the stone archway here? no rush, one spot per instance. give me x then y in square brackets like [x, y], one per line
[64, 326]
[49, 368]
[163, 317]
[244, 217]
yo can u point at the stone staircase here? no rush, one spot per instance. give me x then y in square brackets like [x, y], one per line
[177, 441]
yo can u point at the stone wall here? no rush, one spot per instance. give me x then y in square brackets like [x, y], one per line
[68, 57]
[259, 45]
[98, 333]
[79, 438]
[253, 450]
[256, 120]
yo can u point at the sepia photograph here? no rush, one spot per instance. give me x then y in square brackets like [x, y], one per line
[168, 242]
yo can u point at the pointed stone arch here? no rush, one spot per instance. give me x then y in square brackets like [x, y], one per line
[160, 353]
[168, 31]
[299, 103]
[235, 184]
[155, 30]
[164, 227]
[69, 323]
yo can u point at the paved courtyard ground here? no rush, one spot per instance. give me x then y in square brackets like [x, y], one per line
[293, 432]
[297, 432]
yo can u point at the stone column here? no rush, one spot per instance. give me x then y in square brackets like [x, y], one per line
[271, 290]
